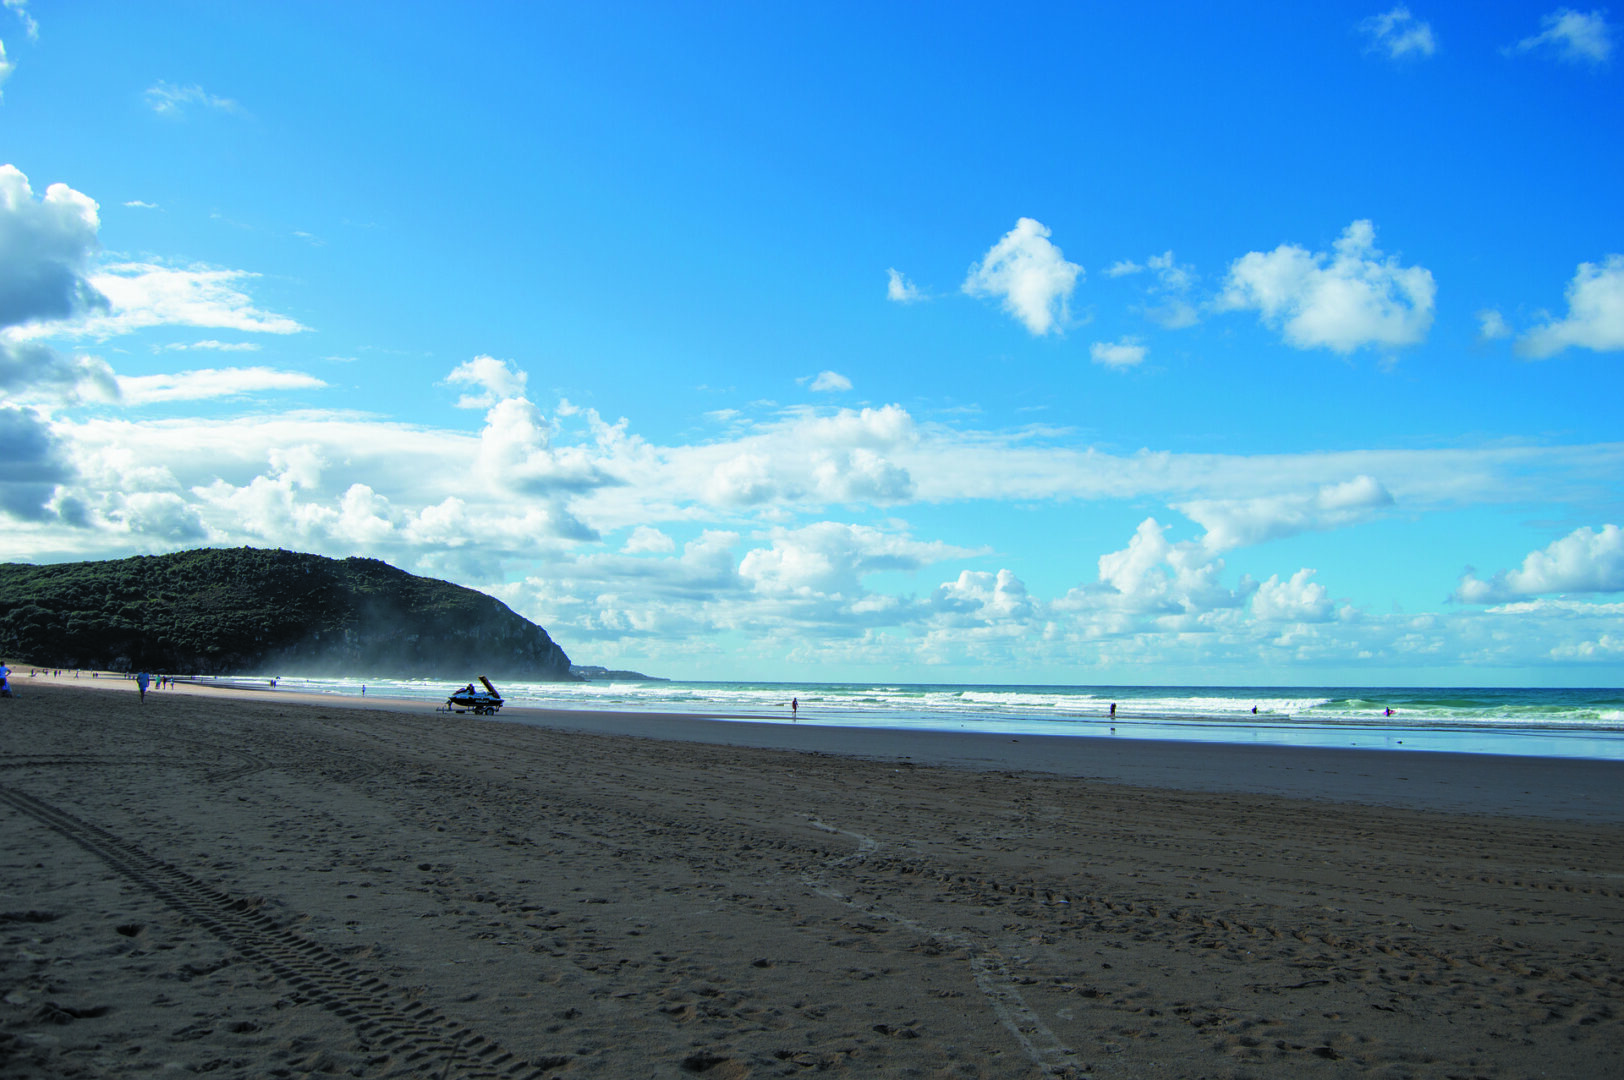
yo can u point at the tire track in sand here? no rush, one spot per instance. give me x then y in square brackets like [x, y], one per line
[432, 1043]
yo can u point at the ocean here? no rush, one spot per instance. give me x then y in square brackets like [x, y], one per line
[1574, 723]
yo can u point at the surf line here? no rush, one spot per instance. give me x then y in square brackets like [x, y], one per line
[992, 974]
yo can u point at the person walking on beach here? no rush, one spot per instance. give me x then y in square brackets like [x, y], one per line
[5, 677]
[141, 681]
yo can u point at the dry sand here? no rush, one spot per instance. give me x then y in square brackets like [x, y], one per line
[258, 885]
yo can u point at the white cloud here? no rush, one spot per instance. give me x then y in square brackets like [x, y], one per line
[167, 99]
[207, 383]
[495, 379]
[1236, 523]
[45, 250]
[210, 345]
[1172, 308]
[1029, 275]
[1492, 326]
[1296, 599]
[1399, 34]
[830, 382]
[30, 26]
[1155, 576]
[1595, 314]
[982, 596]
[138, 204]
[646, 540]
[144, 295]
[1585, 561]
[6, 67]
[1343, 301]
[1573, 36]
[899, 289]
[1122, 354]
[1123, 268]
[828, 560]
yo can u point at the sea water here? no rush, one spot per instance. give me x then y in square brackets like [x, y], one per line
[1578, 723]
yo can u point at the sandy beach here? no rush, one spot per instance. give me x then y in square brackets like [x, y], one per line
[258, 884]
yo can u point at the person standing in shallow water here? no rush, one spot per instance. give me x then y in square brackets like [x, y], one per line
[794, 709]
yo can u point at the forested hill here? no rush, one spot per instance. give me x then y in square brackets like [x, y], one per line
[254, 611]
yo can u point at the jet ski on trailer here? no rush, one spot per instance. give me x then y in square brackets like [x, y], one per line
[479, 702]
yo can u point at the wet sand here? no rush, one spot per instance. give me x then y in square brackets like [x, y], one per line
[258, 884]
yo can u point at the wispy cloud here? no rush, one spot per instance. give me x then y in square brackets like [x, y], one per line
[167, 99]
[1576, 37]
[830, 382]
[1029, 275]
[213, 346]
[142, 295]
[30, 25]
[1399, 34]
[207, 383]
[899, 289]
[1126, 353]
[1492, 326]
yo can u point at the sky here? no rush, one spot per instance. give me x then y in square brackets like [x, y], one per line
[1186, 344]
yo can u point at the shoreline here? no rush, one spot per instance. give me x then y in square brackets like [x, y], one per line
[1577, 789]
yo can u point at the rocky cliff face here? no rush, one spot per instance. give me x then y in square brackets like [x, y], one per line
[252, 611]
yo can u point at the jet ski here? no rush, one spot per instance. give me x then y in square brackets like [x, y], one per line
[479, 702]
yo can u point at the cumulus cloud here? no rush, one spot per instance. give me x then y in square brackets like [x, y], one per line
[45, 250]
[859, 475]
[1121, 354]
[207, 383]
[34, 372]
[899, 289]
[32, 462]
[167, 99]
[1297, 599]
[493, 380]
[1236, 523]
[828, 559]
[1595, 317]
[983, 596]
[1029, 275]
[1399, 34]
[1123, 268]
[1345, 300]
[1156, 576]
[516, 455]
[830, 382]
[1576, 37]
[647, 540]
[1585, 561]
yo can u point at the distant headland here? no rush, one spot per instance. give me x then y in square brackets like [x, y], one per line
[257, 611]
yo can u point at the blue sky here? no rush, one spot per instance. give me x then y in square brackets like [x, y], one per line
[1177, 344]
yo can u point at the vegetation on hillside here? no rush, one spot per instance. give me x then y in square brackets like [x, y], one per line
[249, 610]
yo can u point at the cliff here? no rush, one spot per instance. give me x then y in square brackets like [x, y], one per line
[254, 611]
